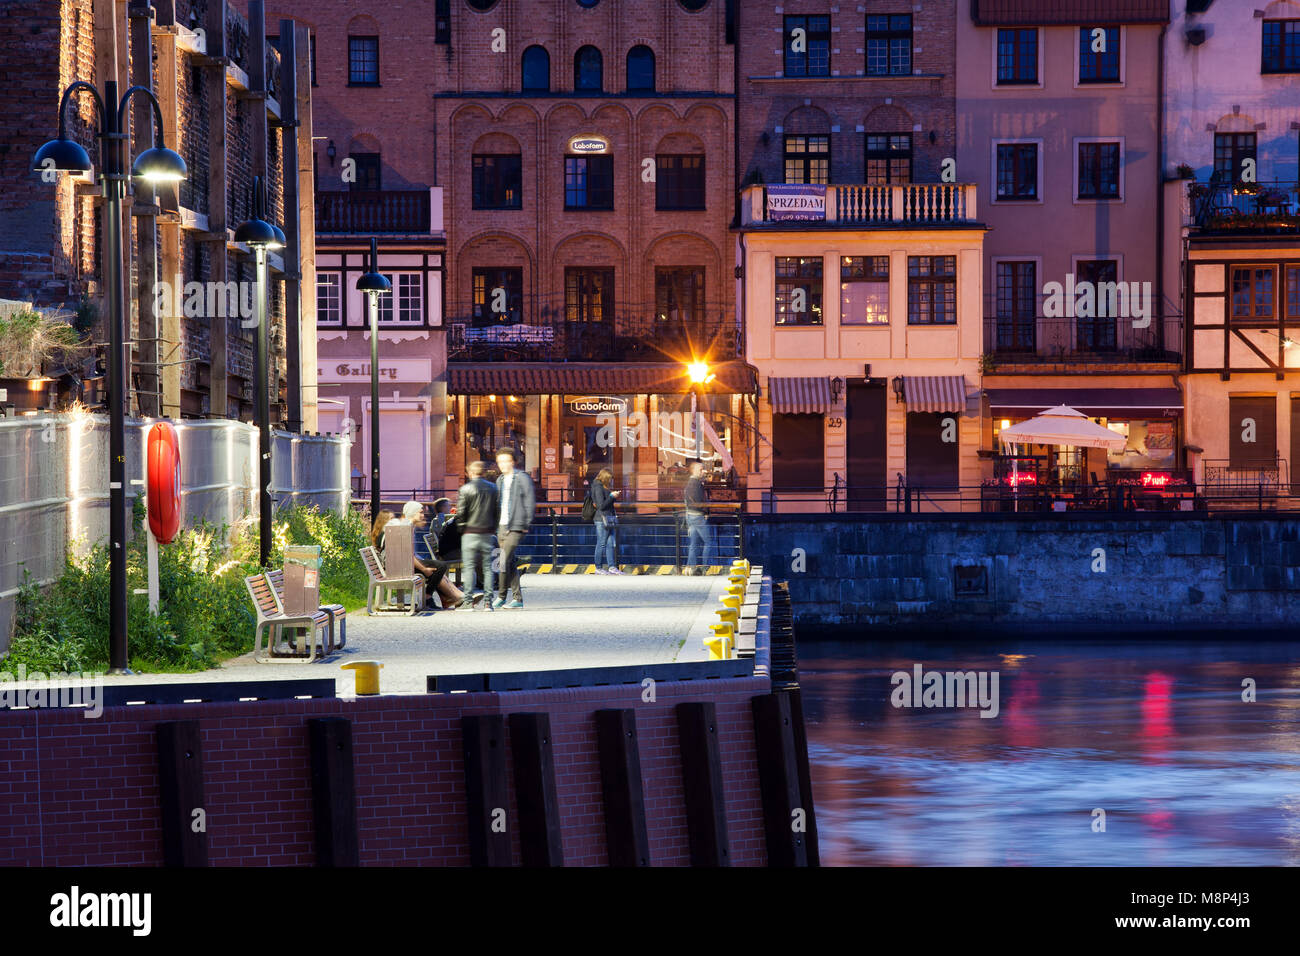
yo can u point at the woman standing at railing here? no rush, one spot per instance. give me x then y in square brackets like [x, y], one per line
[606, 521]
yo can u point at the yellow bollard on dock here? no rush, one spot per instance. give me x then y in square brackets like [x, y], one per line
[367, 673]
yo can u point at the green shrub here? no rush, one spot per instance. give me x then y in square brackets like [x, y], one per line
[204, 613]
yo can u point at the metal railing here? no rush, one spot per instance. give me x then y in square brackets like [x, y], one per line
[649, 532]
[1220, 204]
[1123, 498]
[391, 211]
[626, 338]
[1034, 339]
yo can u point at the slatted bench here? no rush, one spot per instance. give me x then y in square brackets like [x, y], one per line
[383, 587]
[310, 629]
[431, 545]
[337, 611]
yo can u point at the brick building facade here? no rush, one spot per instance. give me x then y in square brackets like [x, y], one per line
[861, 247]
[586, 150]
[219, 86]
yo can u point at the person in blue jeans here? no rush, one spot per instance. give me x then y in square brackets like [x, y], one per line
[477, 512]
[606, 522]
[698, 534]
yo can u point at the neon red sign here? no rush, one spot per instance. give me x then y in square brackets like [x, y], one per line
[1155, 479]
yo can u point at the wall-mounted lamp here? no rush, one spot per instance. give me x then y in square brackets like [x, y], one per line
[898, 388]
[837, 389]
[740, 272]
[934, 137]
[765, 139]
[331, 152]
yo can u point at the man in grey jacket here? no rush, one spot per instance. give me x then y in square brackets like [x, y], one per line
[518, 504]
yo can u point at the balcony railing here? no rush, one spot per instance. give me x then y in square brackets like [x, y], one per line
[389, 211]
[1035, 340]
[1221, 206]
[909, 204]
[625, 339]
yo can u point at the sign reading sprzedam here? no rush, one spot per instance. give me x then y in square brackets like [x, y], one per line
[790, 201]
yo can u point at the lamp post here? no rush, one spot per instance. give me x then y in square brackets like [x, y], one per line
[374, 284]
[699, 374]
[260, 236]
[158, 164]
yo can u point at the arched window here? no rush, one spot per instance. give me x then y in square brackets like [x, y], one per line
[537, 70]
[588, 70]
[641, 69]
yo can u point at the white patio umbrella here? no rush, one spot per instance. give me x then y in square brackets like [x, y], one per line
[1063, 425]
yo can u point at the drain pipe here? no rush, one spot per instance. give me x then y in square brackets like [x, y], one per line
[1160, 181]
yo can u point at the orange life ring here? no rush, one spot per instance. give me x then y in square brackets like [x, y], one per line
[164, 482]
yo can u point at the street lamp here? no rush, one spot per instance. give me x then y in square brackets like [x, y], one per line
[374, 284]
[260, 235]
[155, 165]
[699, 374]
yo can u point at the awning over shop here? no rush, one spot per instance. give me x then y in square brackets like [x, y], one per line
[579, 378]
[934, 393]
[799, 396]
[1094, 402]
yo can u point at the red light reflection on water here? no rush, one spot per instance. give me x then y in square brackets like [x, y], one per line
[1157, 709]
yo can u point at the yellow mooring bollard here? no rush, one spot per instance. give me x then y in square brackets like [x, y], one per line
[730, 600]
[741, 564]
[367, 676]
[728, 615]
[719, 644]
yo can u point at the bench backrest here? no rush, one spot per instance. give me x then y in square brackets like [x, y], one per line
[263, 595]
[374, 567]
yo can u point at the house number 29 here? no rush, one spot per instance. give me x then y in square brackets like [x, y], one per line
[837, 423]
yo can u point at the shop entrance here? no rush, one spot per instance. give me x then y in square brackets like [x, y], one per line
[867, 420]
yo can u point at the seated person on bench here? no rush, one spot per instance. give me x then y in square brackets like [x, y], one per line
[433, 568]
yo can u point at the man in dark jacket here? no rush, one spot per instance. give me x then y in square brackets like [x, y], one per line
[477, 514]
[518, 505]
[698, 533]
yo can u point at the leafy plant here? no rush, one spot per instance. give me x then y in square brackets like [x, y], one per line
[1184, 171]
[28, 339]
[204, 612]
[988, 363]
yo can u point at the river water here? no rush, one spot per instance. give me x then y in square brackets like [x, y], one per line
[1155, 734]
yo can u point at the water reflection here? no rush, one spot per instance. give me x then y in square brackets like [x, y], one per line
[1154, 734]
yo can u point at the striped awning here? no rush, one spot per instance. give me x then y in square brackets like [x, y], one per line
[799, 396]
[934, 393]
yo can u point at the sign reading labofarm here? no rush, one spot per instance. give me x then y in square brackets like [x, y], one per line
[786, 201]
[588, 144]
[596, 405]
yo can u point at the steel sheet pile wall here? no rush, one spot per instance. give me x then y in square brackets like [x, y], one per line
[33, 507]
[54, 485]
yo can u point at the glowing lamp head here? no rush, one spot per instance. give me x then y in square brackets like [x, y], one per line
[158, 164]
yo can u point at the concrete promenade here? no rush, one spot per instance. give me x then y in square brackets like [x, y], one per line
[568, 621]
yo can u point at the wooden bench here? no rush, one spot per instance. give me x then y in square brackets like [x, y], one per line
[272, 621]
[383, 587]
[431, 545]
[337, 611]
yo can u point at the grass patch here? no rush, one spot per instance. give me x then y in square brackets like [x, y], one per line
[204, 613]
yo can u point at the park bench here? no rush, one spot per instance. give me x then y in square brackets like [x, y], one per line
[272, 621]
[431, 545]
[379, 593]
[337, 611]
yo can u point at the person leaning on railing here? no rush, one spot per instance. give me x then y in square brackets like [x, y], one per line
[698, 534]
